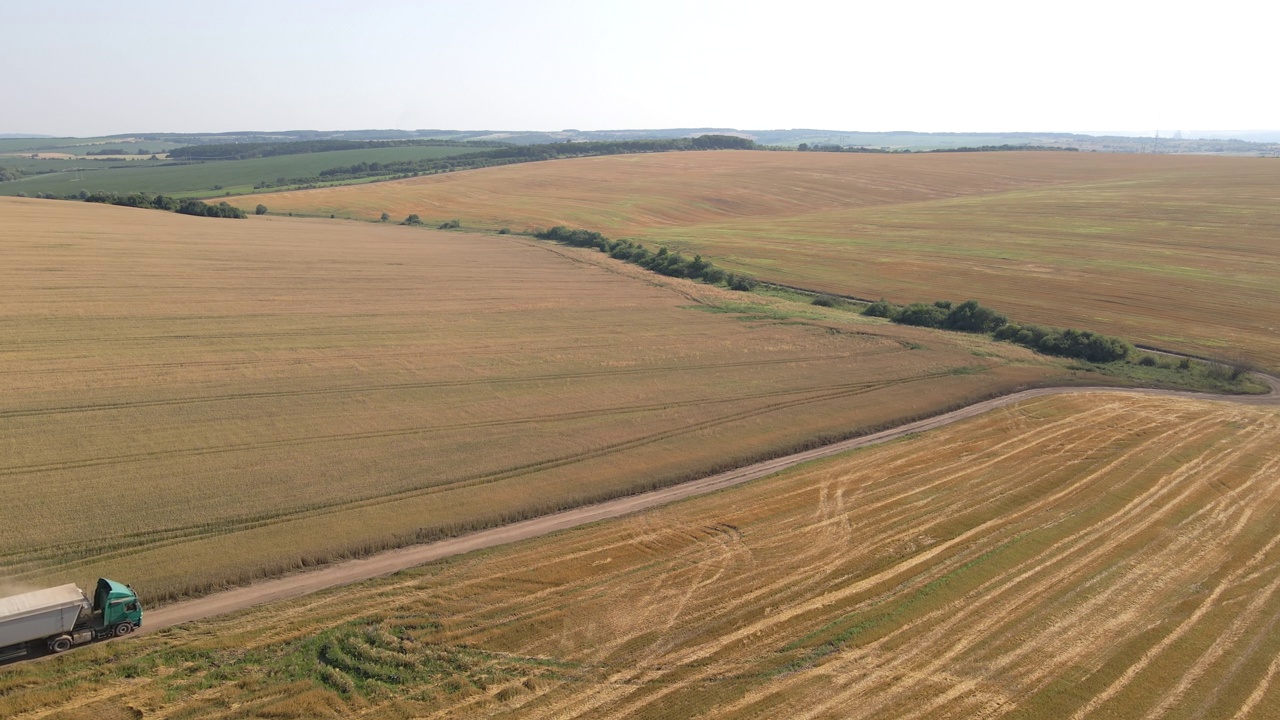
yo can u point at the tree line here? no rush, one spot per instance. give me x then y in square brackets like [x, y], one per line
[662, 261]
[185, 206]
[1005, 148]
[534, 153]
[970, 316]
[248, 151]
[818, 147]
[119, 151]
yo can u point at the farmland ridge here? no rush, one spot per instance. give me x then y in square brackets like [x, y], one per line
[1168, 251]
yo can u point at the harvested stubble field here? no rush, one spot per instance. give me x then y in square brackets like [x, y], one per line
[192, 402]
[1179, 252]
[1081, 556]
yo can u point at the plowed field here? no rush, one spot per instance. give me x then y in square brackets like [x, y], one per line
[1073, 556]
[192, 402]
[1176, 251]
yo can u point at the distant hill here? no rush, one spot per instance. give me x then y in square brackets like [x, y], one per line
[1258, 136]
[893, 140]
[1252, 142]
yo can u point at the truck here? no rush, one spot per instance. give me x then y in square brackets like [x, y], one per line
[59, 617]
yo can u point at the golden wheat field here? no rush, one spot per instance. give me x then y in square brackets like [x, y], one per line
[1178, 252]
[1083, 556]
[191, 402]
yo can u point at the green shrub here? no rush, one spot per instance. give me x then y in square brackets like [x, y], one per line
[881, 308]
[1218, 371]
[971, 317]
[921, 315]
[1085, 345]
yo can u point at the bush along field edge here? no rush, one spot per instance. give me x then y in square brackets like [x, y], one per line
[184, 206]
[1091, 352]
[661, 261]
[1106, 354]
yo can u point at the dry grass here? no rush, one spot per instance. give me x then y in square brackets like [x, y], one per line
[193, 402]
[1174, 251]
[1087, 556]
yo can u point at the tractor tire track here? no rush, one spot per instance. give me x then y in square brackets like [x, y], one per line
[397, 387]
[131, 545]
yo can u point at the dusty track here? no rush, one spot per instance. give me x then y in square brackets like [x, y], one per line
[389, 562]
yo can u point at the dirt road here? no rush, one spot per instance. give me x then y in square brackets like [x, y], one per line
[386, 563]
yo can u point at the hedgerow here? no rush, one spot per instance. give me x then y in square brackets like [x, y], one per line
[970, 316]
[663, 261]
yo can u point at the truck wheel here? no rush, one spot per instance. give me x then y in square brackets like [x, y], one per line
[61, 644]
[123, 629]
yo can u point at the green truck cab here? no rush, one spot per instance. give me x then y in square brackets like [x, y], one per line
[116, 608]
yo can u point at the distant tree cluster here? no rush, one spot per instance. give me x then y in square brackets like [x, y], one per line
[10, 173]
[534, 153]
[970, 316]
[818, 147]
[246, 151]
[1005, 148]
[185, 206]
[118, 151]
[662, 261]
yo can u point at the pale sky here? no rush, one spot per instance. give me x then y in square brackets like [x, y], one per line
[81, 67]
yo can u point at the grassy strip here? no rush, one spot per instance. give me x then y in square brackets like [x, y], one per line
[1181, 373]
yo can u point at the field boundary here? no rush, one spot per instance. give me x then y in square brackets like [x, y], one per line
[392, 561]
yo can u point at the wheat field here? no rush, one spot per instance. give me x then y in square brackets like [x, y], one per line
[1083, 556]
[192, 402]
[1178, 252]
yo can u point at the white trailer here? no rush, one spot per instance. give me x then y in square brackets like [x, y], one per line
[64, 616]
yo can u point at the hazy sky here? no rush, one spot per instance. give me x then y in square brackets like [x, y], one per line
[81, 67]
